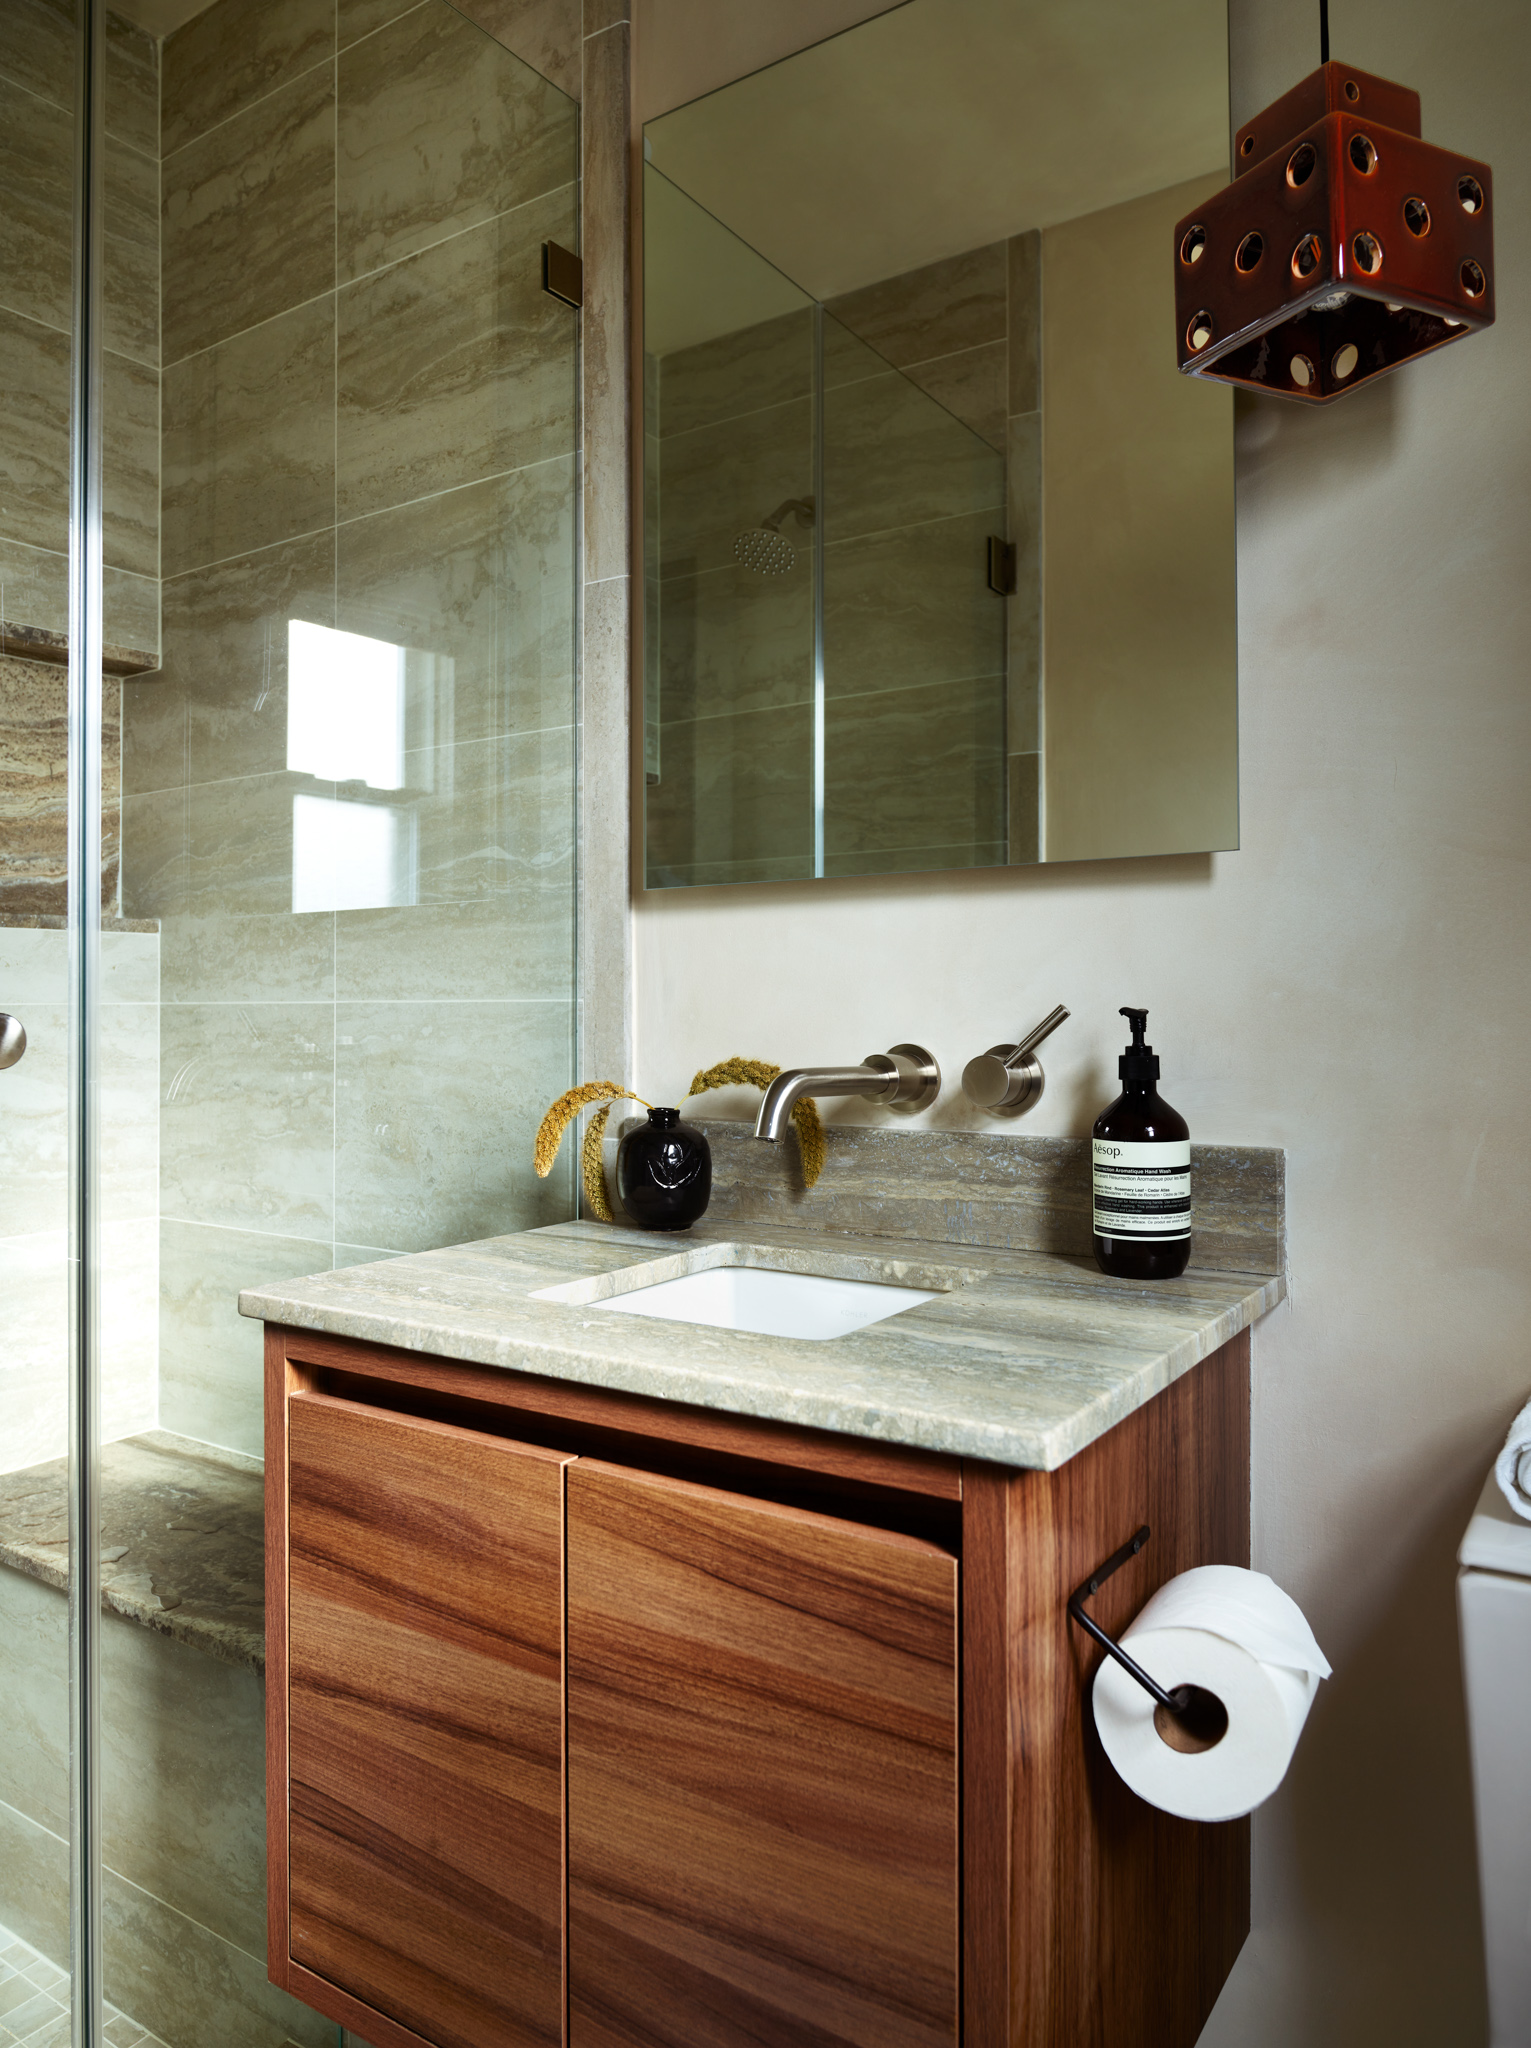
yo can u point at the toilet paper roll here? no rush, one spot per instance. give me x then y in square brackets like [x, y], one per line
[1238, 1638]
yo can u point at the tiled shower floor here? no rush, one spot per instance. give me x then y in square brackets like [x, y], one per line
[34, 2003]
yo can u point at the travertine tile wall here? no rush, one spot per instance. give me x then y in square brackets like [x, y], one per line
[34, 789]
[183, 1837]
[34, 1187]
[36, 252]
[370, 423]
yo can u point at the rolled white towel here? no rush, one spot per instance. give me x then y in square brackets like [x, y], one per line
[1512, 1468]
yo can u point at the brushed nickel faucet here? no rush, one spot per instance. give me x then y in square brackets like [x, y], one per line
[905, 1079]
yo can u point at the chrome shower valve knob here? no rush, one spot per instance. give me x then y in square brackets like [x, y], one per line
[13, 1039]
[1008, 1079]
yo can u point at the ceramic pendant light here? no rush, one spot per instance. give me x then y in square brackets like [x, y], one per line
[1344, 247]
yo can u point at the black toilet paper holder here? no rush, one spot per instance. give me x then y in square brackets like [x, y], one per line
[1176, 1702]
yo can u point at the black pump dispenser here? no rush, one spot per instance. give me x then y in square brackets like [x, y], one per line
[1141, 1166]
[1139, 1064]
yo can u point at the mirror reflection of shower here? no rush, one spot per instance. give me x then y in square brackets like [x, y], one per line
[764, 548]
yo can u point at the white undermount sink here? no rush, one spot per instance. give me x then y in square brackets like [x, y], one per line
[762, 1300]
[770, 1304]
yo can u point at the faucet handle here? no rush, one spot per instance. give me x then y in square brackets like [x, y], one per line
[1008, 1079]
[13, 1039]
[914, 1079]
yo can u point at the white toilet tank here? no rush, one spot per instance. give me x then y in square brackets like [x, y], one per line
[1494, 1608]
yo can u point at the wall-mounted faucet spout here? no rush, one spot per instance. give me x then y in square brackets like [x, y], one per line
[905, 1079]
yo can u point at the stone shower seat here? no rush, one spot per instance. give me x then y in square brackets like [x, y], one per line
[181, 1539]
[183, 1699]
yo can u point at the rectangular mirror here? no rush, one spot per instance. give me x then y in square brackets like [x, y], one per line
[939, 545]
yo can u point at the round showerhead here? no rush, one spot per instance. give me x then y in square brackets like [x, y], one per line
[764, 551]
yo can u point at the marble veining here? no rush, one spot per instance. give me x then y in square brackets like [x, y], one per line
[1024, 1363]
[34, 865]
[249, 216]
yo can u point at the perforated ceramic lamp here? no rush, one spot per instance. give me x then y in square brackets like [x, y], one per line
[1345, 247]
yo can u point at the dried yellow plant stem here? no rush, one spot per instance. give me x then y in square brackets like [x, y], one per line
[563, 1112]
[590, 1166]
[733, 1074]
[811, 1141]
[760, 1074]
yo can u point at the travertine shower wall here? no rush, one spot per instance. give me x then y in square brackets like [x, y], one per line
[34, 1191]
[36, 257]
[370, 426]
[36, 254]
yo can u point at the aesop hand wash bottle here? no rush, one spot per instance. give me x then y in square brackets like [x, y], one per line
[1141, 1155]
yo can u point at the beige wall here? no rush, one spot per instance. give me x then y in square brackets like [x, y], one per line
[1351, 985]
[1140, 635]
[683, 48]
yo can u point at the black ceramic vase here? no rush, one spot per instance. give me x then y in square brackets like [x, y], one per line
[664, 1172]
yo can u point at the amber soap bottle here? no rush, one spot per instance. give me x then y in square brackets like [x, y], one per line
[1141, 1159]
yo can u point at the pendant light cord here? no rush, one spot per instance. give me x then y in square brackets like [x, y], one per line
[1323, 31]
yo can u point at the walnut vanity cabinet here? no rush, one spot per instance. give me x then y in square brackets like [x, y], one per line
[762, 1771]
[600, 1720]
[425, 1721]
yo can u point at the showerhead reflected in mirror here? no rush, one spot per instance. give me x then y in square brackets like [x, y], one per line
[908, 312]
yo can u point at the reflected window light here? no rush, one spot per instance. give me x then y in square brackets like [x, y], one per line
[346, 703]
[353, 856]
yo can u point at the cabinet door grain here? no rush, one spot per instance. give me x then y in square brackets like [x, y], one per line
[762, 1774]
[425, 1615]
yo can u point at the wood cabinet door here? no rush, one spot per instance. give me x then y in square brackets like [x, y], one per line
[762, 1774]
[425, 1722]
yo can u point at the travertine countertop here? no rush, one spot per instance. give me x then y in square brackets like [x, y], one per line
[1024, 1359]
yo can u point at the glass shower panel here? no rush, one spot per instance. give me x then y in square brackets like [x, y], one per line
[729, 354]
[348, 815]
[37, 149]
[914, 632]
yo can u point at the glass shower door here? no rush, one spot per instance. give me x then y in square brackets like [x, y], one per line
[39, 989]
[298, 997]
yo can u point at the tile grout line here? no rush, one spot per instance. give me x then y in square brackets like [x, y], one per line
[848, 540]
[472, 227]
[756, 412]
[338, 1003]
[843, 697]
[338, 51]
[317, 784]
[122, 355]
[353, 519]
[249, 107]
[46, 100]
[362, 277]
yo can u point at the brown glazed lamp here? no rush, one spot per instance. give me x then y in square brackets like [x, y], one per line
[1344, 247]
